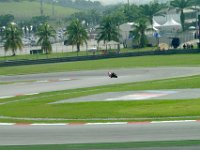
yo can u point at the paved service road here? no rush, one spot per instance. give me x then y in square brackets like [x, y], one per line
[25, 135]
[71, 80]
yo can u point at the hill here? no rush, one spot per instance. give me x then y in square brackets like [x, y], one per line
[26, 10]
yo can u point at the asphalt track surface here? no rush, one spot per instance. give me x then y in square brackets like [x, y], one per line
[79, 79]
[172, 94]
[30, 135]
[25, 135]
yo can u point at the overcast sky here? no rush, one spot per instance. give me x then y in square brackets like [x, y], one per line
[125, 1]
[122, 1]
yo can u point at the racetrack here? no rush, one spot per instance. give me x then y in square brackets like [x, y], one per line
[42, 134]
[79, 79]
[107, 133]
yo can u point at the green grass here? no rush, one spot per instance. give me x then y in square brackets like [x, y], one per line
[126, 62]
[21, 10]
[37, 106]
[149, 144]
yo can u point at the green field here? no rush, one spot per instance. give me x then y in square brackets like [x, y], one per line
[126, 62]
[26, 10]
[135, 145]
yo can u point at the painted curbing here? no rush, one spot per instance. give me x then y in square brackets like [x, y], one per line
[98, 123]
[11, 96]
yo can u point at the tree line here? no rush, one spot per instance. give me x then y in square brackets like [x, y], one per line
[108, 24]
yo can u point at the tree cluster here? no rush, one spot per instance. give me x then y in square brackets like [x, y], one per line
[108, 22]
[81, 4]
[6, 19]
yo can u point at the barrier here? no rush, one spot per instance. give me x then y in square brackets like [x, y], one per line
[95, 57]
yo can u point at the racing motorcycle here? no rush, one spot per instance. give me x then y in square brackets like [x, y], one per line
[112, 75]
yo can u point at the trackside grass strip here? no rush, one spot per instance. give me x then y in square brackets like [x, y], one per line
[37, 106]
[127, 62]
[133, 145]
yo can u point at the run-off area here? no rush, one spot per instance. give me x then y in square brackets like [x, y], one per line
[177, 94]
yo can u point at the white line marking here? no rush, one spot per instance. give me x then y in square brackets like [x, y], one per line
[43, 81]
[67, 79]
[174, 121]
[107, 123]
[2, 97]
[49, 124]
[32, 94]
[7, 124]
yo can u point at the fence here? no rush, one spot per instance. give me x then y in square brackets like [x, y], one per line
[94, 57]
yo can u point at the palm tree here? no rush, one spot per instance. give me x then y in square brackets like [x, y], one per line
[45, 32]
[131, 12]
[93, 17]
[196, 2]
[139, 32]
[77, 34]
[150, 10]
[118, 17]
[181, 5]
[108, 31]
[13, 38]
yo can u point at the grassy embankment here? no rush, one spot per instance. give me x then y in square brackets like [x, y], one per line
[126, 62]
[37, 106]
[27, 10]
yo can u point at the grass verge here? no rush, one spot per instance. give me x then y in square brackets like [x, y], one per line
[157, 144]
[127, 62]
[21, 10]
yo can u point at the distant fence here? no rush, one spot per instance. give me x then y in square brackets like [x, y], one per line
[95, 57]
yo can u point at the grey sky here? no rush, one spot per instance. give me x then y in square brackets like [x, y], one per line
[122, 1]
[125, 1]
